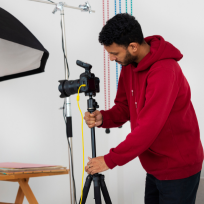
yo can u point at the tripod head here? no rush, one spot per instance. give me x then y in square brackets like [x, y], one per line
[92, 104]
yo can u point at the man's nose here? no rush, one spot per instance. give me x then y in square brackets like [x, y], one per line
[112, 57]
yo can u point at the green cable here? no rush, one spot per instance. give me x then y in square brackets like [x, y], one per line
[130, 6]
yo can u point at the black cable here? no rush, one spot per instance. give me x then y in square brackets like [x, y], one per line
[65, 57]
[64, 116]
[51, 1]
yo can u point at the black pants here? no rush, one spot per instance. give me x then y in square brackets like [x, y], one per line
[181, 191]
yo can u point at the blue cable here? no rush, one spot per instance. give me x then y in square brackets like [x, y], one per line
[115, 7]
[120, 12]
[131, 6]
[119, 6]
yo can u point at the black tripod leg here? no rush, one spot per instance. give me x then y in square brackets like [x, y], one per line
[87, 185]
[97, 193]
[105, 190]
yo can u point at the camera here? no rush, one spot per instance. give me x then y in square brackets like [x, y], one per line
[68, 88]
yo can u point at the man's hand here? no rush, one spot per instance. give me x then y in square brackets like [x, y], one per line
[93, 119]
[96, 165]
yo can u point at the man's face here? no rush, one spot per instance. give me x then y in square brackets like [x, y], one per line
[120, 54]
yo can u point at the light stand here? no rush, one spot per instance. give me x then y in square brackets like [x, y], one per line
[86, 8]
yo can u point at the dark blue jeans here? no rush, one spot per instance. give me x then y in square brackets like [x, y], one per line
[181, 191]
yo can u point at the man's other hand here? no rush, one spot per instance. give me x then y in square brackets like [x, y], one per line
[93, 119]
[96, 165]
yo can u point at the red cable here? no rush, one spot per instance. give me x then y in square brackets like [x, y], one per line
[108, 62]
[104, 59]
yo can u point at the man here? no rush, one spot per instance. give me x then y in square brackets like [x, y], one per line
[154, 95]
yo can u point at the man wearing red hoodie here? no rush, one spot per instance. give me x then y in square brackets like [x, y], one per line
[154, 95]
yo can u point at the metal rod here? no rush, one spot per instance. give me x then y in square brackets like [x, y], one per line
[72, 171]
[70, 175]
[72, 7]
[68, 109]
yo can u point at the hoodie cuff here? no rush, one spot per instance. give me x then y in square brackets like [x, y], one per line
[109, 161]
[106, 119]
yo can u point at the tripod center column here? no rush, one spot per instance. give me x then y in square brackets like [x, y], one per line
[92, 105]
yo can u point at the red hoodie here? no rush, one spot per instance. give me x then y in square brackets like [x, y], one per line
[155, 97]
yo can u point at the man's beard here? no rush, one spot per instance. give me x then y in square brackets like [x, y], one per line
[129, 59]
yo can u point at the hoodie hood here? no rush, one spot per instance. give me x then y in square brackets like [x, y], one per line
[159, 50]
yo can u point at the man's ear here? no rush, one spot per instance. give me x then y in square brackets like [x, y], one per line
[133, 47]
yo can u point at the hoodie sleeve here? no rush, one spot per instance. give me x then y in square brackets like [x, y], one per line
[161, 92]
[119, 113]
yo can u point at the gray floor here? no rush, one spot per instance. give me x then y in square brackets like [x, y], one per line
[200, 193]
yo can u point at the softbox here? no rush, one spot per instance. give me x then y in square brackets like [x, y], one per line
[21, 54]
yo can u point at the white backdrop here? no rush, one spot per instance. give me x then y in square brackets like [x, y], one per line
[32, 129]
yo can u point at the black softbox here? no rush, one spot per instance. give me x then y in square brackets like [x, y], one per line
[21, 54]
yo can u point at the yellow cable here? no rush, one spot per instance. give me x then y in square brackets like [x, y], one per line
[78, 98]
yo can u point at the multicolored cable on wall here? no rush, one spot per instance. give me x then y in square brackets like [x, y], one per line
[106, 59]
[107, 105]
[126, 10]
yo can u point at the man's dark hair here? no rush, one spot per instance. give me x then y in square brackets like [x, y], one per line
[122, 29]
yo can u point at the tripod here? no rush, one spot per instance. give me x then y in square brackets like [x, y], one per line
[98, 179]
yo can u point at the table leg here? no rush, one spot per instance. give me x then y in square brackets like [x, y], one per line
[26, 191]
[20, 194]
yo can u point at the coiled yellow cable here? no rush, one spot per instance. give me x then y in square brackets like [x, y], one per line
[78, 98]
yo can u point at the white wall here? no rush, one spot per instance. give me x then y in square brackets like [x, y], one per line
[31, 125]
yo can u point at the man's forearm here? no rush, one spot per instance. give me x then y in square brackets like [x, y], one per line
[115, 117]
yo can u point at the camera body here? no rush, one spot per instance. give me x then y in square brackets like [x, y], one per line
[68, 88]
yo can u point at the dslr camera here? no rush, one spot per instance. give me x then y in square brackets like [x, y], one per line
[70, 87]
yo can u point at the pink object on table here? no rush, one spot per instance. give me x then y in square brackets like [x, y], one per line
[15, 165]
